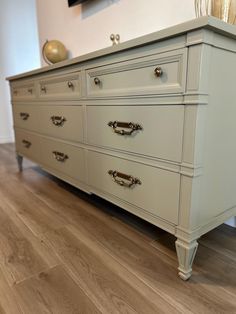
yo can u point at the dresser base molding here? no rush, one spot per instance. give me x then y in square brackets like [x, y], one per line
[139, 212]
[186, 252]
[78, 184]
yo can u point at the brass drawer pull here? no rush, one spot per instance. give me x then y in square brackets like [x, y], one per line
[30, 90]
[131, 180]
[60, 156]
[26, 143]
[70, 84]
[15, 92]
[58, 120]
[24, 115]
[97, 81]
[158, 71]
[127, 125]
[44, 89]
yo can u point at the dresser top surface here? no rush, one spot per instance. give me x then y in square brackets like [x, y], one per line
[206, 22]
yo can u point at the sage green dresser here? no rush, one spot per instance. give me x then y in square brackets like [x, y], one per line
[149, 125]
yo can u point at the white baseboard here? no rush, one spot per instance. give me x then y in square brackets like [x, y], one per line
[4, 140]
[231, 222]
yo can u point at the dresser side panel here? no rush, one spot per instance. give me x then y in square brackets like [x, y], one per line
[214, 191]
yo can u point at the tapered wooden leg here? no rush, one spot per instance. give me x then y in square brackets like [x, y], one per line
[186, 252]
[20, 162]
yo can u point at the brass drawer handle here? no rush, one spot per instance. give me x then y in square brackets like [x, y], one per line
[131, 180]
[58, 120]
[24, 115]
[30, 90]
[97, 81]
[127, 125]
[44, 89]
[60, 156]
[158, 71]
[26, 143]
[70, 85]
[15, 92]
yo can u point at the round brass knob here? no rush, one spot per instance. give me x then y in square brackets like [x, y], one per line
[97, 81]
[43, 89]
[70, 84]
[158, 71]
[112, 37]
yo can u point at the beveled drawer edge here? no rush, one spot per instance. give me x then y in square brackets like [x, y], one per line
[62, 176]
[136, 63]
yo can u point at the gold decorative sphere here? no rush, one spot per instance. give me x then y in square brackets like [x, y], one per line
[54, 51]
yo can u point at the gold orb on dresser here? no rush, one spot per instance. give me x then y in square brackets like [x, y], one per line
[54, 51]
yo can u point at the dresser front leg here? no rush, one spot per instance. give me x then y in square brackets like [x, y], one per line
[186, 252]
[20, 162]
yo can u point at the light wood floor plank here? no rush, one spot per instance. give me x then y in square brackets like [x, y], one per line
[114, 288]
[35, 213]
[8, 301]
[53, 291]
[21, 253]
[213, 271]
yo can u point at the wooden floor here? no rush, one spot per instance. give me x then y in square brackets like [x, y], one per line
[62, 251]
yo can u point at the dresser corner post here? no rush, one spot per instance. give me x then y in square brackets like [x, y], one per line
[186, 252]
[19, 159]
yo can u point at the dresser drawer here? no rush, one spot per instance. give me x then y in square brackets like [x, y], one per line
[23, 91]
[148, 130]
[61, 87]
[65, 122]
[28, 144]
[155, 190]
[159, 74]
[27, 117]
[65, 158]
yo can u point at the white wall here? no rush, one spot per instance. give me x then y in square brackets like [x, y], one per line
[87, 27]
[19, 52]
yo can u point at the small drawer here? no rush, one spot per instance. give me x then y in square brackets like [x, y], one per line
[27, 117]
[61, 87]
[155, 131]
[163, 73]
[152, 189]
[23, 91]
[65, 122]
[28, 145]
[65, 158]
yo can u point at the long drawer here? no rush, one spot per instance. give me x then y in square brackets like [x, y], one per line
[64, 122]
[63, 157]
[28, 144]
[149, 130]
[153, 189]
[157, 74]
[27, 117]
